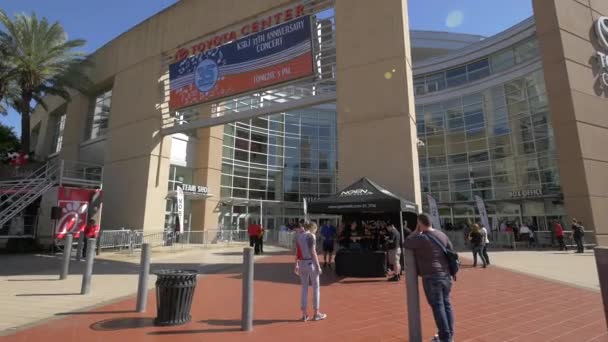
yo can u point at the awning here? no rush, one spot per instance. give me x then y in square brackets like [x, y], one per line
[362, 196]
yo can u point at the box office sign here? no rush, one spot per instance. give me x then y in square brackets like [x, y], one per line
[272, 56]
[527, 193]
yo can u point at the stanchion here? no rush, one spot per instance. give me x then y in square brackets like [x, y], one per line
[67, 253]
[98, 249]
[247, 308]
[413, 297]
[601, 259]
[80, 247]
[88, 271]
[144, 272]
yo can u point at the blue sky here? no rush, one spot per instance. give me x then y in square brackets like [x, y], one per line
[100, 21]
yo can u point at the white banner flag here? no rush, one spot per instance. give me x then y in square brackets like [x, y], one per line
[305, 209]
[180, 208]
[434, 212]
[483, 214]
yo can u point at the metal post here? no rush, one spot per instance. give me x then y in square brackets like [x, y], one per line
[88, 271]
[247, 308]
[144, 272]
[402, 237]
[413, 299]
[80, 247]
[67, 253]
[601, 259]
[98, 249]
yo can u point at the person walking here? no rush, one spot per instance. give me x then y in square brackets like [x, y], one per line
[91, 231]
[309, 270]
[578, 232]
[328, 233]
[428, 245]
[485, 241]
[260, 241]
[393, 245]
[559, 235]
[476, 240]
[253, 233]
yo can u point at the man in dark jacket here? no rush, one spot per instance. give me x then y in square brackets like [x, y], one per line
[578, 232]
[433, 267]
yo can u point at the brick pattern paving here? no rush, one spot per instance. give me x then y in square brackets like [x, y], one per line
[490, 305]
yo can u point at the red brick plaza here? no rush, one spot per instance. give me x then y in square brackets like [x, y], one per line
[490, 305]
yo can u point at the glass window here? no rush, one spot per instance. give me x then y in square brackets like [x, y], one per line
[58, 133]
[419, 86]
[457, 76]
[478, 70]
[526, 51]
[435, 82]
[502, 60]
[99, 116]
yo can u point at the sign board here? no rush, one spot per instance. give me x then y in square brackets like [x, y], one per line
[180, 208]
[276, 55]
[526, 193]
[601, 30]
[190, 189]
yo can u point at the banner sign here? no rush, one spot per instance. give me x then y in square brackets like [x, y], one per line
[273, 56]
[180, 208]
[483, 214]
[434, 212]
[192, 189]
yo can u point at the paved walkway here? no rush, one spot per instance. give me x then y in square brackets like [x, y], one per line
[491, 305]
[567, 267]
[30, 290]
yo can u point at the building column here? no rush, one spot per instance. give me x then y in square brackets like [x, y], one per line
[376, 117]
[208, 172]
[578, 102]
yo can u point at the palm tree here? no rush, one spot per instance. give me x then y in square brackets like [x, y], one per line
[41, 61]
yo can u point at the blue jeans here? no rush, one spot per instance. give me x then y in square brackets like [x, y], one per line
[478, 250]
[309, 274]
[437, 290]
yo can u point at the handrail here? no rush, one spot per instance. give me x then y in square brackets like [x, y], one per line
[48, 172]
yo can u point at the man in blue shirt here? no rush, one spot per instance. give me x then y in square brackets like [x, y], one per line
[328, 233]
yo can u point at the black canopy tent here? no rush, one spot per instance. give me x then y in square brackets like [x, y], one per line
[365, 197]
[362, 196]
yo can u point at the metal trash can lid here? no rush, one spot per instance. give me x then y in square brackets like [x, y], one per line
[175, 273]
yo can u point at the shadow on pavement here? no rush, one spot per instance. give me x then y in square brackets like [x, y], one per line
[46, 294]
[33, 279]
[123, 323]
[265, 253]
[94, 312]
[236, 322]
[188, 332]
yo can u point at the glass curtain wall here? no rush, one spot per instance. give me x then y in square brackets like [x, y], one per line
[497, 144]
[280, 158]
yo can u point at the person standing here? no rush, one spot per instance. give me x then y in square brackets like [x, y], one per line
[476, 240]
[309, 270]
[260, 241]
[432, 265]
[578, 232]
[559, 235]
[253, 234]
[393, 245]
[328, 233]
[91, 231]
[485, 241]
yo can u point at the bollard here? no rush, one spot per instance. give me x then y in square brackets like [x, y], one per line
[67, 253]
[413, 297]
[88, 271]
[98, 249]
[247, 308]
[80, 247]
[601, 259]
[144, 273]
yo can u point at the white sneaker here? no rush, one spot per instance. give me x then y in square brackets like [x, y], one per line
[304, 318]
[320, 317]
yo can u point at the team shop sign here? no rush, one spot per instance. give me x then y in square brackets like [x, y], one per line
[273, 56]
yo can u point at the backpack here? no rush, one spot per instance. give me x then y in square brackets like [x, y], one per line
[451, 256]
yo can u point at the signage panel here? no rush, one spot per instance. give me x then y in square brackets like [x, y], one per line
[273, 56]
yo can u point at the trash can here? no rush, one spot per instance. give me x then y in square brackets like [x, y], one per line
[174, 293]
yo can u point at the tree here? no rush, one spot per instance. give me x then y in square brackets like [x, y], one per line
[8, 141]
[41, 61]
